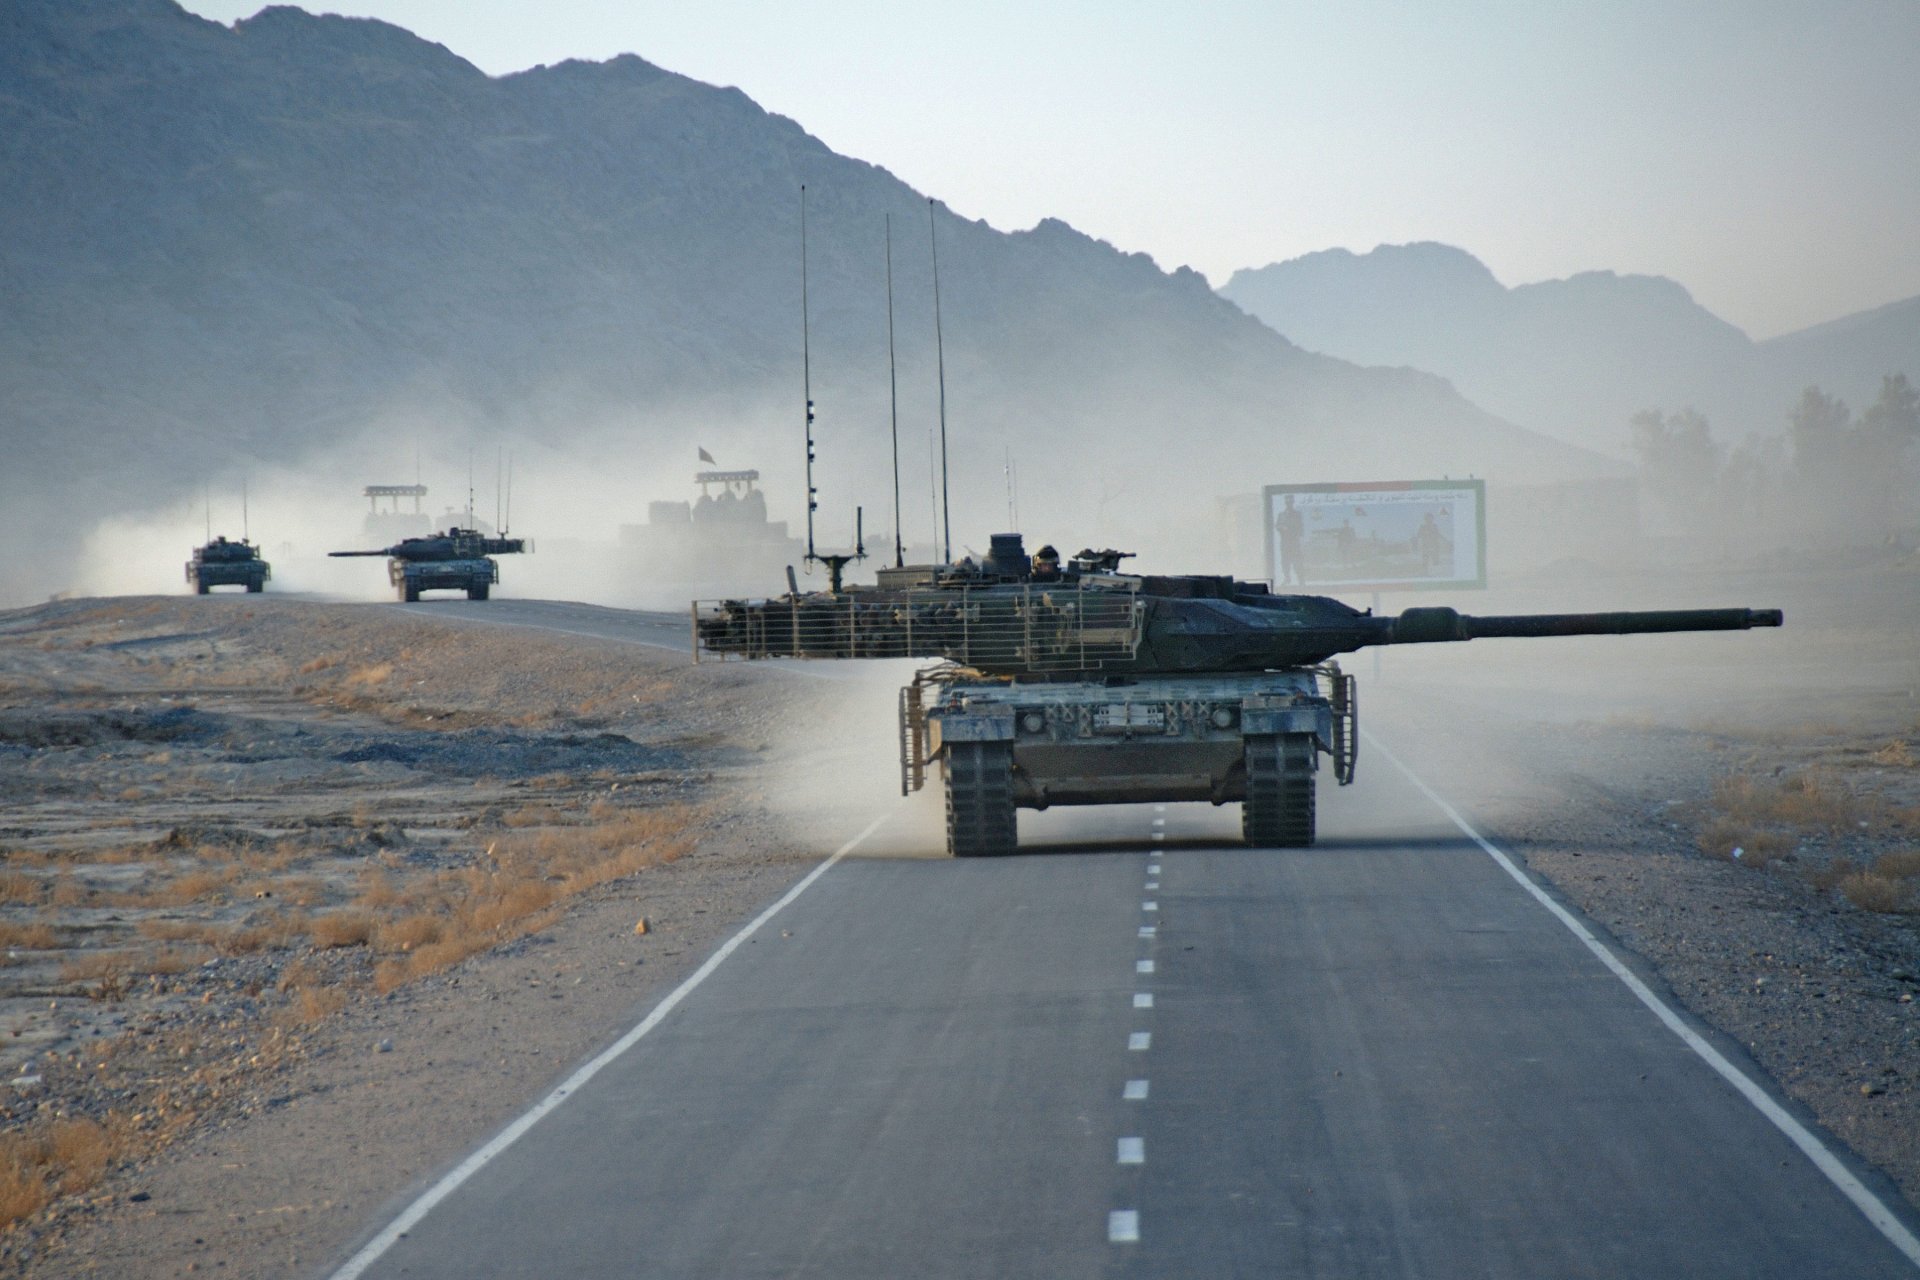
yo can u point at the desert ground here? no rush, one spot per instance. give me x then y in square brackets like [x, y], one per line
[301, 900]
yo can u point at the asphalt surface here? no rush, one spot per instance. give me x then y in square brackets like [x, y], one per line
[1138, 1049]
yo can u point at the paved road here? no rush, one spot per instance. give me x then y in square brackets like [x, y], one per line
[1139, 1050]
[629, 626]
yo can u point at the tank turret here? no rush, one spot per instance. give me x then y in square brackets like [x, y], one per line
[1081, 684]
[457, 560]
[1002, 616]
[224, 563]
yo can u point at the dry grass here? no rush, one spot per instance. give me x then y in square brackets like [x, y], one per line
[1723, 837]
[29, 937]
[1813, 799]
[68, 891]
[262, 931]
[15, 887]
[64, 1157]
[378, 673]
[1895, 754]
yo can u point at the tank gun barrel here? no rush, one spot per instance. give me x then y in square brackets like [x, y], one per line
[382, 552]
[1439, 625]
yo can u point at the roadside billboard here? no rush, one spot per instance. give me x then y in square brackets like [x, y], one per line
[1393, 535]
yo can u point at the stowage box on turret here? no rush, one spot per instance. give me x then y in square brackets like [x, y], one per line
[457, 560]
[1080, 684]
[221, 563]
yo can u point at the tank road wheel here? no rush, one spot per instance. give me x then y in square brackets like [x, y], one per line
[478, 591]
[980, 820]
[1278, 812]
[409, 593]
[255, 587]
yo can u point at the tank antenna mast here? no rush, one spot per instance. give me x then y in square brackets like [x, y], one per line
[206, 497]
[245, 531]
[940, 355]
[506, 515]
[893, 391]
[806, 374]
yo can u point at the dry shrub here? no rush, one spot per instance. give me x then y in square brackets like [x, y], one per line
[262, 931]
[63, 1158]
[1895, 754]
[68, 892]
[378, 673]
[317, 664]
[1902, 864]
[532, 815]
[30, 937]
[174, 930]
[311, 1004]
[409, 933]
[341, 929]
[377, 890]
[1870, 892]
[1813, 798]
[194, 886]
[1757, 847]
[15, 887]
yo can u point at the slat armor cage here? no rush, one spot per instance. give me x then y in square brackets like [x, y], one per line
[1036, 628]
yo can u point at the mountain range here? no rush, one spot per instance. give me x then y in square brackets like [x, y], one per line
[1574, 358]
[311, 242]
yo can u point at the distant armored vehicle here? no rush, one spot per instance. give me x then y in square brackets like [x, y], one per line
[457, 560]
[1079, 684]
[221, 563]
[721, 541]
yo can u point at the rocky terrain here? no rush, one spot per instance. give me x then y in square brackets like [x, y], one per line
[301, 901]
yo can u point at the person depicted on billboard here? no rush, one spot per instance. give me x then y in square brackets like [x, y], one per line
[1292, 529]
[1429, 540]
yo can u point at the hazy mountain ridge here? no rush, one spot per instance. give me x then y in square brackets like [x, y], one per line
[1574, 357]
[227, 246]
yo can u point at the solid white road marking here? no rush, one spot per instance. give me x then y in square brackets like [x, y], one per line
[1143, 966]
[1143, 999]
[1823, 1159]
[410, 1217]
[1136, 1091]
[1147, 931]
[1140, 1041]
[1123, 1227]
[1133, 1151]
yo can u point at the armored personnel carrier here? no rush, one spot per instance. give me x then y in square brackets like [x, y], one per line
[221, 563]
[1080, 684]
[457, 560]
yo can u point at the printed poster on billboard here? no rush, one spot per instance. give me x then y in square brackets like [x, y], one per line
[1393, 535]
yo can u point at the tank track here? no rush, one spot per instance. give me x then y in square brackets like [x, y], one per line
[980, 813]
[1278, 812]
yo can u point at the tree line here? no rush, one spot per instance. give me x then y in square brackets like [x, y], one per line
[1832, 479]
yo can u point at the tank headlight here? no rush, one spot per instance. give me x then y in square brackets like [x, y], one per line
[1032, 722]
[1222, 717]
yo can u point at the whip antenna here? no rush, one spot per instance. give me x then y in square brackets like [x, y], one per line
[940, 353]
[245, 531]
[806, 374]
[893, 390]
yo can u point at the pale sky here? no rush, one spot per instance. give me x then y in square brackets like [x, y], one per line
[1761, 152]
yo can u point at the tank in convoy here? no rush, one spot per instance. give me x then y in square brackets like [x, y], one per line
[1078, 683]
[221, 563]
[457, 560]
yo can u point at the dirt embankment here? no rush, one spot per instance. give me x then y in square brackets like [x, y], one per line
[297, 899]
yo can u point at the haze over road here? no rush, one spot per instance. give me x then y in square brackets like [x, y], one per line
[1139, 1049]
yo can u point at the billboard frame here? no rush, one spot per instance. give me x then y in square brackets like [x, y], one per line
[1271, 495]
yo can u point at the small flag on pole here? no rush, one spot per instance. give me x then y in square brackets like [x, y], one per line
[705, 456]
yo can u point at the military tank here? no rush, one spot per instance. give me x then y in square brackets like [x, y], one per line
[220, 563]
[1077, 683]
[457, 560]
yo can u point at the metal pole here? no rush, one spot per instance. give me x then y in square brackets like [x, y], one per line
[893, 390]
[806, 374]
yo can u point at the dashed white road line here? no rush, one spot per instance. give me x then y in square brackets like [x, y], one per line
[1143, 999]
[1149, 906]
[1143, 966]
[1136, 1091]
[1870, 1205]
[1123, 1227]
[1148, 931]
[1140, 1041]
[410, 1217]
[1132, 1151]
[1159, 835]
[1153, 868]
